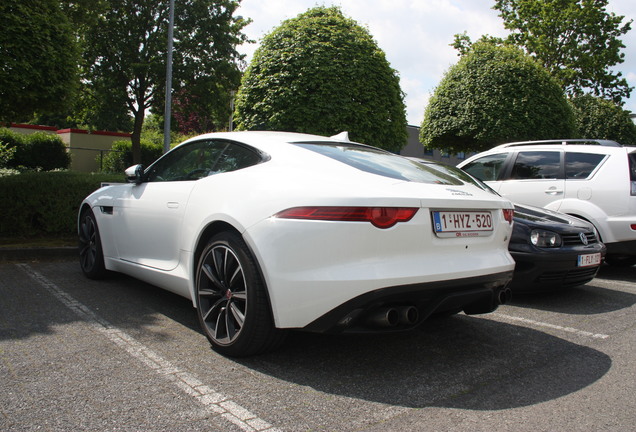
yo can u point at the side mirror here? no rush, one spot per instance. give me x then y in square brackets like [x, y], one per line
[135, 174]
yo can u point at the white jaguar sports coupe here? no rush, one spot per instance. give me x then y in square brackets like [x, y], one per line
[268, 231]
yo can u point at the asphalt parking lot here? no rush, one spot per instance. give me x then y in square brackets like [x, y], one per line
[121, 355]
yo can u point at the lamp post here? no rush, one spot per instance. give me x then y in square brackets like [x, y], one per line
[231, 122]
[168, 108]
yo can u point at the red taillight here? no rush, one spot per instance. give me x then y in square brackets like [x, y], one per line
[381, 217]
[508, 214]
[633, 226]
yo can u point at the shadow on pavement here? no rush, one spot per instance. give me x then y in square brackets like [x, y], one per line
[627, 274]
[460, 362]
[589, 299]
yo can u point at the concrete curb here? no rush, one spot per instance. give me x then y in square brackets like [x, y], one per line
[37, 253]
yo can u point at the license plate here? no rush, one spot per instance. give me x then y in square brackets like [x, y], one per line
[462, 223]
[589, 260]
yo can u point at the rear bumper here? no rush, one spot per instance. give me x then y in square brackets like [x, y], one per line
[474, 295]
[312, 268]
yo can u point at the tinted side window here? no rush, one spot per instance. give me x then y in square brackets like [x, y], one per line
[186, 162]
[486, 168]
[200, 159]
[536, 165]
[581, 165]
[235, 157]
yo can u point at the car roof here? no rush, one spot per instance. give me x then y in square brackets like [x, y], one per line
[568, 141]
[282, 146]
[266, 139]
[583, 145]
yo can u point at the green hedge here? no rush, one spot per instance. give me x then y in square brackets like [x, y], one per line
[6, 154]
[37, 204]
[38, 151]
[121, 158]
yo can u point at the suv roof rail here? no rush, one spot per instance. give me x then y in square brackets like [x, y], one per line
[601, 142]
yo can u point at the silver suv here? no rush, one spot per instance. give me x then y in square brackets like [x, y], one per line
[592, 179]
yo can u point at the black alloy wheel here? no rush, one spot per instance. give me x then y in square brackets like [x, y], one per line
[232, 303]
[90, 247]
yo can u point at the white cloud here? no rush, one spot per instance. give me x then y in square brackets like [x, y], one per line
[415, 35]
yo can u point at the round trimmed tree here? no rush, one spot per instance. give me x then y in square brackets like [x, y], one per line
[599, 118]
[323, 73]
[495, 94]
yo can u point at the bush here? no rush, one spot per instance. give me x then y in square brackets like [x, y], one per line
[495, 94]
[599, 118]
[9, 142]
[46, 151]
[323, 73]
[39, 204]
[121, 158]
[38, 151]
[10, 138]
[8, 171]
[152, 132]
[6, 154]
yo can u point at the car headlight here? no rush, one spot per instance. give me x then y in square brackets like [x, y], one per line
[548, 239]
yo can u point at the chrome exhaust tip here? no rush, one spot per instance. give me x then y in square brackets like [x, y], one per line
[408, 315]
[504, 296]
[384, 317]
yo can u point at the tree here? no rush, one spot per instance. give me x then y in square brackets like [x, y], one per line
[463, 44]
[38, 59]
[323, 73]
[494, 94]
[203, 104]
[578, 41]
[599, 118]
[96, 103]
[94, 106]
[126, 50]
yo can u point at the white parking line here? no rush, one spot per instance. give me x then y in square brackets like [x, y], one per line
[511, 318]
[622, 285]
[188, 383]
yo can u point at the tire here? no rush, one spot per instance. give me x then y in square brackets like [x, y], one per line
[91, 255]
[231, 299]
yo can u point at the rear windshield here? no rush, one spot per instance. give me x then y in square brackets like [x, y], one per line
[380, 162]
[632, 166]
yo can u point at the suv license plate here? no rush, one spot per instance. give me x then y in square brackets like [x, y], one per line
[589, 260]
[462, 223]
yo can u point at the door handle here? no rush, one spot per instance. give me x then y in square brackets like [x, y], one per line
[553, 191]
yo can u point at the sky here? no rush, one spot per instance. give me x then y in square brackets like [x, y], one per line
[415, 36]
